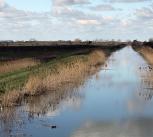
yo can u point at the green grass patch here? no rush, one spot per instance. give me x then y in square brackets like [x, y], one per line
[17, 79]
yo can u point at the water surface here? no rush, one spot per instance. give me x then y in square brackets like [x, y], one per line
[114, 102]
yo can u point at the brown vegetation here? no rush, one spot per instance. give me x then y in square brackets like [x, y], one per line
[11, 98]
[14, 65]
[64, 77]
[146, 72]
[147, 53]
[65, 73]
[63, 83]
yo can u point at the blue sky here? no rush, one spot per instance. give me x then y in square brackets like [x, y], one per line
[31, 5]
[70, 19]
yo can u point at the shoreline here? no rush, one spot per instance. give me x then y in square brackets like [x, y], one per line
[52, 76]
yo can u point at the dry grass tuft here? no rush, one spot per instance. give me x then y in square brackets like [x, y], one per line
[34, 86]
[97, 57]
[12, 98]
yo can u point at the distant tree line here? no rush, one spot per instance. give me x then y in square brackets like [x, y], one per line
[33, 42]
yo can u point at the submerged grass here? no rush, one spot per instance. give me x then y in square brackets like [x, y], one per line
[50, 76]
[12, 98]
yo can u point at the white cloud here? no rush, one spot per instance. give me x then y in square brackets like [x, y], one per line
[68, 20]
[19, 24]
[88, 22]
[125, 23]
[128, 1]
[131, 128]
[103, 7]
[2, 3]
[144, 13]
[69, 2]
[67, 12]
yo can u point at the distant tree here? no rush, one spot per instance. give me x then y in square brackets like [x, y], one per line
[135, 41]
[77, 40]
[151, 40]
[145, 43]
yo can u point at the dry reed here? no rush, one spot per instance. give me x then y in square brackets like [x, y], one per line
[11, 98]
[147, 52]
[66, 75]
[74, 74]
[14, 65]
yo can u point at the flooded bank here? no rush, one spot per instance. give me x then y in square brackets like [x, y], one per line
[112, 101]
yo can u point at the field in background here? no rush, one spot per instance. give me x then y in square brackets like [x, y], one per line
[14, 65]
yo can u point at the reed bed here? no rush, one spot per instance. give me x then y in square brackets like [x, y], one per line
[75, 74]
[64, 76]
[147, 52]
[11, 98]
[146, 73]
[65, 73]
[10, 66]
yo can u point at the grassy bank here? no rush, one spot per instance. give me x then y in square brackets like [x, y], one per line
[147, 53]
[64, 72]
[16, 72]
[50, 76]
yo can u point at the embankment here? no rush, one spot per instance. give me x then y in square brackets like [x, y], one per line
[55, 76]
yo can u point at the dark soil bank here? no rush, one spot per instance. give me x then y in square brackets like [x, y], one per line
[48, 52]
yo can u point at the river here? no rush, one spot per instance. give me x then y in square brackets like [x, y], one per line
[114, 102]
